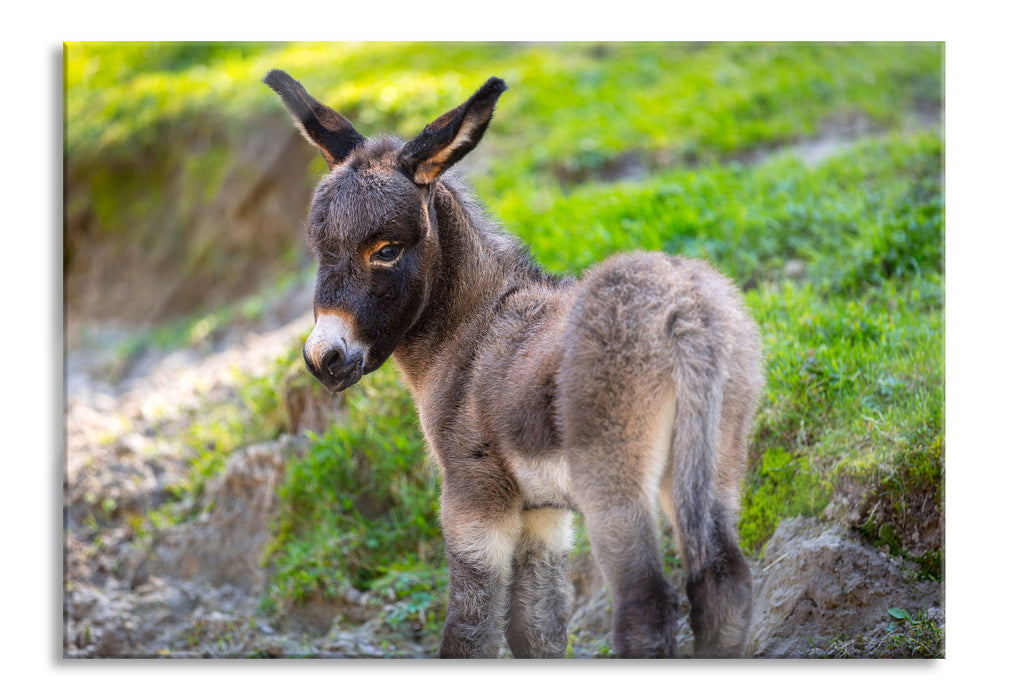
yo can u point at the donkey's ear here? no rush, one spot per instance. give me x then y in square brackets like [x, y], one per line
[451, 136]
[331, 133]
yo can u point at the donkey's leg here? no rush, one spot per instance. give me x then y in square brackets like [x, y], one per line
[719, 584]
[481, 525]
[614, 478]
[542, 592]
[625, 544]
[721, 599]
[616, 403]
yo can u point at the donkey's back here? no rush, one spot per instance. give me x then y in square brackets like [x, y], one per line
[627, 390]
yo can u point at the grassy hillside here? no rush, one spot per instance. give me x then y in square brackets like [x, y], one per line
[596, 148]
[571, 103]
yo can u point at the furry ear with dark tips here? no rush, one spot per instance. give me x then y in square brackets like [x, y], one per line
[322, 126]
[451, 136]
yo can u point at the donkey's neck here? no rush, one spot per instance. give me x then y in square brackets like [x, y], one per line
[480, 265]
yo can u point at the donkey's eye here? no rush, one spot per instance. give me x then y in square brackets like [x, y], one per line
[387, 253]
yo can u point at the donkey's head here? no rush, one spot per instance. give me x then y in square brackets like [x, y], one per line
[372, 228]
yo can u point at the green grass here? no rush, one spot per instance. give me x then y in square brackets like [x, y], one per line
[360, 509]
[879, 204]
[571, 103]
[842, 263]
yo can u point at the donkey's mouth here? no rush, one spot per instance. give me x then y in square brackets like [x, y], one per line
[344, 379]
[336, 373]
[340, 383]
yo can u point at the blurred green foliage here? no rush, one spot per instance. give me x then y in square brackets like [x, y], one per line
[842, 260]
[153, 129]
[569, 103]
[877, 208]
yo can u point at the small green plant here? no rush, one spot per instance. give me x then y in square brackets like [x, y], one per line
[420, 598]
[915, 636]
[906, 636]
[603, 650]
[360, 509]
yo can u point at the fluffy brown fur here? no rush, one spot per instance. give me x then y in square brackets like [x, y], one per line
[631, 388]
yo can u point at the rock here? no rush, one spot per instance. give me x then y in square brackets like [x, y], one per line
[816, 583]
[226, 543]
[160, 618]
[794, 269]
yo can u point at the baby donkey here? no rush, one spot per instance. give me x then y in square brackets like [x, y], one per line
[630, 388]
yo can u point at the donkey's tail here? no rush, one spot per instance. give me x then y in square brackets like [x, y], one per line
[690, 483]
[716, 376]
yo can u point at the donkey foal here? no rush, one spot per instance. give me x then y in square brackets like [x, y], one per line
[538, 396]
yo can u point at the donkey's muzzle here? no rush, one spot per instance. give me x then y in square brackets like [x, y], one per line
[337, 369]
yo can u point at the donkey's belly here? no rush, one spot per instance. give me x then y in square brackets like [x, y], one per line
[544, 482]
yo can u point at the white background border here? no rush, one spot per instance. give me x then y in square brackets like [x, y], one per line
[975, 356]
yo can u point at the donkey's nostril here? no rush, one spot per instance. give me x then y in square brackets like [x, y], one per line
[331, 362]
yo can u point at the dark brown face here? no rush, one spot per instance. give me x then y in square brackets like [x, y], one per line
[369, 232]
[369, 227]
